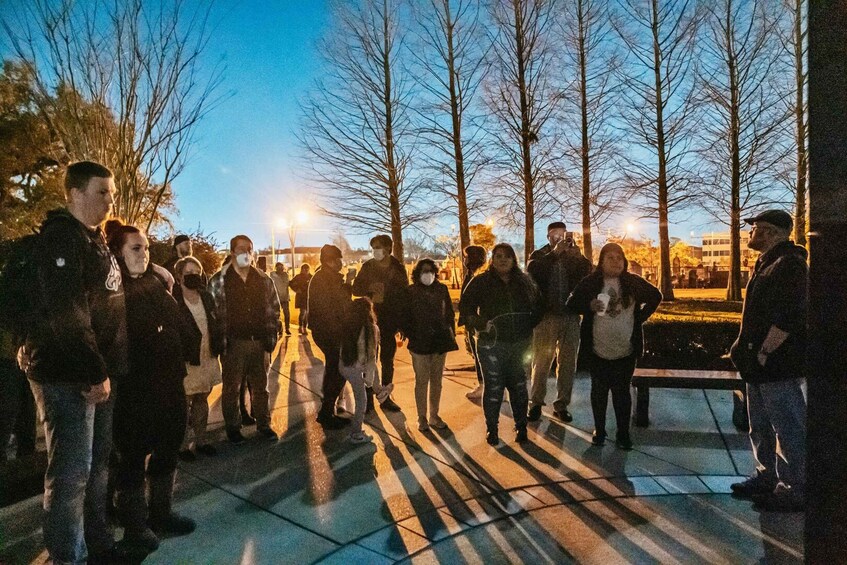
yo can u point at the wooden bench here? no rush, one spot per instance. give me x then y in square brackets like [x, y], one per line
[645, 379]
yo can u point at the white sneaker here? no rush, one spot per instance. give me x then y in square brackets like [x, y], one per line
[360, 437]
[385, 392]
[476, 393]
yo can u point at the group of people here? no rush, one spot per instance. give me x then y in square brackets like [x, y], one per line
[123, 354]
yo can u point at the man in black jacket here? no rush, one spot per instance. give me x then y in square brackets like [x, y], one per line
[72, 353]
[556, 268]
[329, 301]
[383, 279]
[769, 354]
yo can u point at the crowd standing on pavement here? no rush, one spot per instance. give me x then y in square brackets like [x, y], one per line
[121, 354]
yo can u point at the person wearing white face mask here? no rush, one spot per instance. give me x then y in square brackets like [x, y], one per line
[248, 308]
[383, 279]
[430, 325]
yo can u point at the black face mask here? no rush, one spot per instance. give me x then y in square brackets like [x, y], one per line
[193, 282]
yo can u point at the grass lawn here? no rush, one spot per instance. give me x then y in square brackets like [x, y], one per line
[691, 305]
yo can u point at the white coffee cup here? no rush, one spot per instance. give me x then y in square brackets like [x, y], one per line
[604, 298]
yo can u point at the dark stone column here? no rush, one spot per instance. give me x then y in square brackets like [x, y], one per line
[826, 363]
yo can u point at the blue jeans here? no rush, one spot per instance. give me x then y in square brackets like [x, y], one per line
[777, 412]
[79, 439]
[504, 367]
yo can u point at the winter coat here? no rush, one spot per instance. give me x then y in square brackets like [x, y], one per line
[329, 301]
[389, 313]
[281, 283]
[80, 333]
[513, 307]
[271, 321]
[156, 335]
[646, 296]
[215, 328]
[541, 268]
[430, 322]
[300, 285]
[776, 296]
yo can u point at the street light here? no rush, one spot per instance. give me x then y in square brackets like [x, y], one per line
[300, 219]
[279, 222]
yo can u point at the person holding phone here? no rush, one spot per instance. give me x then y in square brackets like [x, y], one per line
[556, 268]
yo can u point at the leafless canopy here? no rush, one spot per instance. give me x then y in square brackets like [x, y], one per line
[357, 132]
[449, 62]
[522, 99]
[130, 87]
[659, 109]
[590, 96]
[744, 114]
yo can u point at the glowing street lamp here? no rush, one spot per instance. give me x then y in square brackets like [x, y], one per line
[301, 218]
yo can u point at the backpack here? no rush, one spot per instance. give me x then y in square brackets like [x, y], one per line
[18, 284]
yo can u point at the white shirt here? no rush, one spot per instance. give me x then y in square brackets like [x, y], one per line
[613, 331]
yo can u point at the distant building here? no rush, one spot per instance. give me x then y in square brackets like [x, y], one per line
[716, 251]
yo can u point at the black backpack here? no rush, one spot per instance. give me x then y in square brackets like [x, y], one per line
[19, 284]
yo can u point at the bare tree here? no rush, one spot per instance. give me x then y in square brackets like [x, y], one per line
[450, 58]
[796, 45]
[658, 90]
[522, 100]
[744, 116]
[590, 98]
[130, 88]
[356, 130]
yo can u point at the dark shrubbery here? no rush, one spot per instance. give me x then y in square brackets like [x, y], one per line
[703, 344]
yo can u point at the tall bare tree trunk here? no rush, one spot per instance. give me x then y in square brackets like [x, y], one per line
[393, 179]
[526, 135]
[456, 119]
[733, 289]
[800, 119]
[588, 249]
[664, 238]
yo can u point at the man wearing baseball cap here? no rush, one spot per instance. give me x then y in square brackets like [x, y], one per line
[769, 354]
[182, 248]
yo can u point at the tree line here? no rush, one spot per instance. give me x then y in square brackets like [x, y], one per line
[535, 109]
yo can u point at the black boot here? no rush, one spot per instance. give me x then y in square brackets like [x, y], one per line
[163, 519]
[132, 511]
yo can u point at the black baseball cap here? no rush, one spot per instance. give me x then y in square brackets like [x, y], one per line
[181, 238]
[778, 218]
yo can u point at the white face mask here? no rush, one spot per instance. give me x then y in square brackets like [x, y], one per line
[379, 254]
[427, 278]
[242, 260]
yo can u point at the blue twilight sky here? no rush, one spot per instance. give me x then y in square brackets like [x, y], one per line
[243, 175]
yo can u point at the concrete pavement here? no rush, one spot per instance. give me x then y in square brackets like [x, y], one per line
[448, 496]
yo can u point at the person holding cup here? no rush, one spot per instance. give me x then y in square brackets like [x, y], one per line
[614, 304]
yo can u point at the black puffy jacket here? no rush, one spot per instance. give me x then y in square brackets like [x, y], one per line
[430, 322]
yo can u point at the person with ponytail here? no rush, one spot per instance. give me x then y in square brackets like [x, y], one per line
[357, 362]
[197, 308]
[150, 414]
[474, 257]
[614, 304]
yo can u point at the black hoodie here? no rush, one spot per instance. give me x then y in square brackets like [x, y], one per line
[80, 332]
[776, 296]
